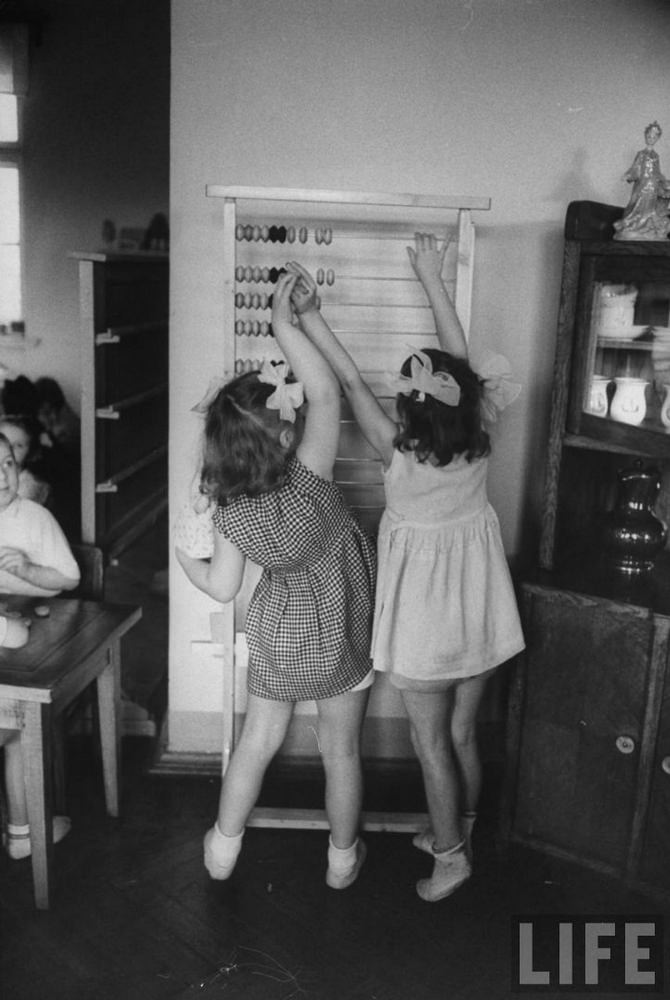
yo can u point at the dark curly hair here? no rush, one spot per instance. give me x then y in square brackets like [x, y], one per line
[242, 451]
[431, 428]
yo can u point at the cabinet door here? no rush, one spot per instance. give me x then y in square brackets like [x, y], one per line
[582, 717]
[654, 865]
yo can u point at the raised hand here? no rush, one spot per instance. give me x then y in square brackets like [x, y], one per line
[281, 298]
[304, 295]
[426, 259]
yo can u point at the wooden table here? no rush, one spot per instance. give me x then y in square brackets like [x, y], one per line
[77, 643]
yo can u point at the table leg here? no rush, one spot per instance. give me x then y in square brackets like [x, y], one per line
[109, 710]
[36, 753]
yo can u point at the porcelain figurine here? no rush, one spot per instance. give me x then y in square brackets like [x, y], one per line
[646, 214]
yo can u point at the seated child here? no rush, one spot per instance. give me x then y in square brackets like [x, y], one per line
[35, 558]
[14, 633]
[56, 416]
[23, 432]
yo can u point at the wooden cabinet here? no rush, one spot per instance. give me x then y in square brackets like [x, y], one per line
[613, 343]
[124, 308]
[589, 734]
[588, 774]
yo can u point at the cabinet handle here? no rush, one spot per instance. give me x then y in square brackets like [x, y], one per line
[625, 744]
[665, 765]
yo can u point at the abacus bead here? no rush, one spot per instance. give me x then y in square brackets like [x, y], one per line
[239, 231]
[265, 233]
[281, 234]
[319, 276]
[248, 232]
[248, 273]
[248, 327]
[239, 327]
[239, 273]
[330, 276]
[302, 235]
[239, 366]
[317, 236]
[257, 274]
[273, 234]
[257, 233]
[239, 300]
[274, 274]
[265, 274]
[290, 234]
[328, 236]
[265, 328]
[256, 301]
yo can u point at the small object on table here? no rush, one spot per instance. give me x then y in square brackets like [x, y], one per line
[42, 610]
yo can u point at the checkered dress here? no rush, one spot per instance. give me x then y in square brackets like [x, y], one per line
[309, 620]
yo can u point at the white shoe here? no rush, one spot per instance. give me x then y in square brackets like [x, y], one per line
[424, 841]
[341, 875]
[18, 844]
[451, 870]
[221, 853]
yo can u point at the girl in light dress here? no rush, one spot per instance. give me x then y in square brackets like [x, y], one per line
[268, 472]
[445, 613]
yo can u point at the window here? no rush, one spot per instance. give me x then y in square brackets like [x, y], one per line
[13, 72]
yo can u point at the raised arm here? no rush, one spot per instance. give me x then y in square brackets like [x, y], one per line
[376, 426]
[318, 446]
[427, 262]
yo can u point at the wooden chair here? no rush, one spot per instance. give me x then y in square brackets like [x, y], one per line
[92, 568]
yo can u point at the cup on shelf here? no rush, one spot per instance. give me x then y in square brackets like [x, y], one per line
[598, 403]
[629, 404]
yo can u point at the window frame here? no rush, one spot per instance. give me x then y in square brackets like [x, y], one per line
[11, 153]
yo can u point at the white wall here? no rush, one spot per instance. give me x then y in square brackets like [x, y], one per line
[96, 146]
[534, 103]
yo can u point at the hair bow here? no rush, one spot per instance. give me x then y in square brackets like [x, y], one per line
[215, 386]
[288, 396]
[441, 385]
[499, 389]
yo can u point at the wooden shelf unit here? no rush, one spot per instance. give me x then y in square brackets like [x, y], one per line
[124, 310]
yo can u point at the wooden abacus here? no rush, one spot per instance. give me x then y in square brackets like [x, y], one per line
[354, 244]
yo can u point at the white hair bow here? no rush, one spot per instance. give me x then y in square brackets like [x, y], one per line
[288, 396]
[441, 385]
[499, 389]
[215, 386]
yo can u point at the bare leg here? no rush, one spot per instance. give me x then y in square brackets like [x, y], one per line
[429, 718]
[264, 730]
[340, 722]
[467, 699]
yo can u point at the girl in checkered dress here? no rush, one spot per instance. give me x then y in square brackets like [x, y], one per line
[268, 469]
[445, 612]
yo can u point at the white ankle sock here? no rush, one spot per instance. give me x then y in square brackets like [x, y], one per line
[341, 858]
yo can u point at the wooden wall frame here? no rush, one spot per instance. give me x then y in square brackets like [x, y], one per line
[354, 242]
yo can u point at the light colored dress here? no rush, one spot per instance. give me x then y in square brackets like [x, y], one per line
[445, 603]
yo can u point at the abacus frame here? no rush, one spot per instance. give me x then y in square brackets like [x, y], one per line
[369, 211]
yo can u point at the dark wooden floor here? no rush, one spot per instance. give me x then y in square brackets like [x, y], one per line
[135, 915]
